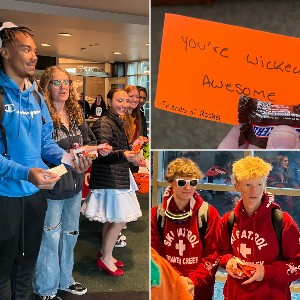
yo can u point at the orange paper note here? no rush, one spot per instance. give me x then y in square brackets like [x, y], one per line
[206, 66]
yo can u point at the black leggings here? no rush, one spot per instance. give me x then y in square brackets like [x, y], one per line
[21, 228]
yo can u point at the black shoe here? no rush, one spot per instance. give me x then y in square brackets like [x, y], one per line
[55, 297]
[76, 289]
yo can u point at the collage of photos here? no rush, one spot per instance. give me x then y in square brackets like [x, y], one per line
[149, 150]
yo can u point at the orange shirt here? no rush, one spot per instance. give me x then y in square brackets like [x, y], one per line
[171, 286]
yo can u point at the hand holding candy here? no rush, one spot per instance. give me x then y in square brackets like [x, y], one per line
[281, 137]
[138, 143]
[90, 151]
[130, 155]
[81, 164]
[238, 269]
[43, 179]
[104, 149]
[139, 162]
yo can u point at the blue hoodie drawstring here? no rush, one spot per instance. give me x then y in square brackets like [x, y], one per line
[19, 125]
[30, 116]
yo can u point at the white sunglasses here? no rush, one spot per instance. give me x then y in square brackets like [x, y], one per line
[184, 182]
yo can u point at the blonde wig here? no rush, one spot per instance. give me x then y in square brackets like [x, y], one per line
[250, 168]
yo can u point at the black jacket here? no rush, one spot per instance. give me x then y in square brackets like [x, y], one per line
[111, 171]
[70, 183]
[144, 123]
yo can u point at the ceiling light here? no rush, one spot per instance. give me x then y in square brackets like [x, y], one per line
[117, 53]
[45, 45]
[65, 34]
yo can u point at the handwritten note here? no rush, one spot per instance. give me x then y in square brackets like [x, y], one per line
[206, 66]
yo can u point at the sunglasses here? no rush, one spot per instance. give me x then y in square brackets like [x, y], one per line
[58, 83]
[183, 182]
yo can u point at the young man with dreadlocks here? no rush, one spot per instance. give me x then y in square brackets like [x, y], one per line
[176, 233]
[253, 240]
[25, 141]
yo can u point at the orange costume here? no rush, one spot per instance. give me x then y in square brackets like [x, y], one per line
[171, 286]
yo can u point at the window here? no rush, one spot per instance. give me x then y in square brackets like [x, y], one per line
[216, 187]
[138, 74]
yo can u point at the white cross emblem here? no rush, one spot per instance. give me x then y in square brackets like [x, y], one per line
[244, 250]
[180, 246]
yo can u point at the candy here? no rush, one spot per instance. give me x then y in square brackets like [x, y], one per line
[243, 270]
[137, 148]
[138, 143]
[81, 152]
[89, 151]
[258, 118]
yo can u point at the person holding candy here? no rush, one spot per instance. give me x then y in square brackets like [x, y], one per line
[25, 143]
[112, 198]
[183, 229]
[259, 244]
[55, 262]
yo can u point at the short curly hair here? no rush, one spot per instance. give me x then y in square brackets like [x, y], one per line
[250, 168]
[182, 167]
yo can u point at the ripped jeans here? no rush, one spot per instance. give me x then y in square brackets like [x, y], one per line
[54, 266]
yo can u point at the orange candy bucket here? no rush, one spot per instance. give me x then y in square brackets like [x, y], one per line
[142, 181]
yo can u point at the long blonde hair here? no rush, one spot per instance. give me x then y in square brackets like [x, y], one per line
[72, 107]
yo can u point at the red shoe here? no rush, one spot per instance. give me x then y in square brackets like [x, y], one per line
[118, 263]
[102, 266]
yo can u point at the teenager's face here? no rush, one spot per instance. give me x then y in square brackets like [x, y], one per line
[182, 193]
[20, 57]
[251, 190]
[285, 162]
[134, 99]
[59, 86]
[143, 98]
[98, 100]
[119, 103]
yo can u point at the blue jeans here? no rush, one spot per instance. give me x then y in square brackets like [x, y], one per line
[54, 266]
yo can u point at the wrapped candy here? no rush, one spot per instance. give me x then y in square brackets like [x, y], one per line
[138, 143]
[258, 118]
[90, 151]
[244, 270]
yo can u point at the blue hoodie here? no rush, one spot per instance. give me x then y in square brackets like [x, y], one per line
[29, 141]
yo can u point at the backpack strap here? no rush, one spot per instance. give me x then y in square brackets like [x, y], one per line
[277, 218]
[230, 224]
[2, 129]
[203, 213]
[38, 100]
[161, 219]
[37, 97]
